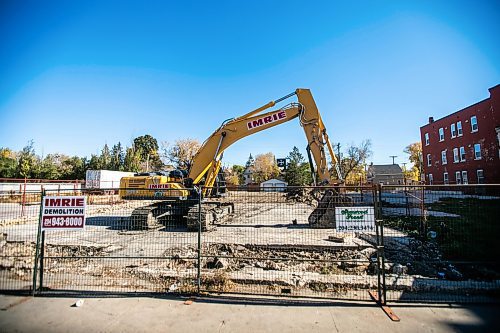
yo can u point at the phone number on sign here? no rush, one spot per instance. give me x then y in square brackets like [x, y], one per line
[73, 221]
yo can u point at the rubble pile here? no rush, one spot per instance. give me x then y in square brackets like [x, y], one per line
[16, 258]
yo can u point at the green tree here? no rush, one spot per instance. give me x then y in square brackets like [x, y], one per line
[297, 172]
[148, 148]
[234, 175]
[74, 168]
[117, 157]
[28, 164]
[132, 160]
[105, 158]
[95, 163]
[49, 167]
[8, 163]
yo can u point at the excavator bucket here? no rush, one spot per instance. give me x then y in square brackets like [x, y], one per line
[323, 216]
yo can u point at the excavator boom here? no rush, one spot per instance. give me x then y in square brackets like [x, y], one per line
[206, 162]
[176, 196]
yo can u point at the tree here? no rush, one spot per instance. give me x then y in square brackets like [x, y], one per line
[117, 157]
[132, 160]
[148, 148]
[239, 170]
[105, 158]
[8, 163]
[265, 167]
[50, 167]
[353, 163]
[415, 152]
[234, 175]
[95, 163]
[298, 172]
[182, 152]
[28, 161]
[74, 168]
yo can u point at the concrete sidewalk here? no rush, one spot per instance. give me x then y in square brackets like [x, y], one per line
[143, 314]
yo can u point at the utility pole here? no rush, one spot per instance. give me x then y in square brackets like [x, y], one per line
[393, 157]
[340, 159]
[404, 173]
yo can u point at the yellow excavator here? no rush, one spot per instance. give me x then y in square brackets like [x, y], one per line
[175, 192]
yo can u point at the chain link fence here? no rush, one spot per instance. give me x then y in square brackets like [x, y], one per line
[413, 243]
[441, 242]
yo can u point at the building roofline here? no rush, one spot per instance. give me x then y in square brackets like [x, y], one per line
[451, 114]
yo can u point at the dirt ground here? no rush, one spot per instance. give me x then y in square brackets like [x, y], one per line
[266, 247]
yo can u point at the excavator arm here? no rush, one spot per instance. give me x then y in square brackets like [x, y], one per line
[207, 161]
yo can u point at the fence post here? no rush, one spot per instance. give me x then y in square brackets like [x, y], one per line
[379, 227]
[382, 250]
[42, 257]
[423, 218]
[37, 245]
[199, 190]
[24, 197]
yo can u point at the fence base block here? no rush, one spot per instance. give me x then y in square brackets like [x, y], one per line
[388, 311]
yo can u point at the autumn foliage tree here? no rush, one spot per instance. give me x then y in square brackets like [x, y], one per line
[181, 153]
[265, 167]
[353, 161]
[415, 152]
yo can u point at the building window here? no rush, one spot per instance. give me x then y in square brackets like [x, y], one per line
[426, 139]
[465, 180]
[431, 179]
[443, 157]
[480, 176]
[445, 178]
[455, 155]
[477, 151]
[458, 179]
[473, 124]
[429, 162]
[459, 128]
[453, 131]
[462, 154]
[441, 134]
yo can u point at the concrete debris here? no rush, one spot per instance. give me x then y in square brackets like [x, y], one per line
[78, 303]
[399, 269]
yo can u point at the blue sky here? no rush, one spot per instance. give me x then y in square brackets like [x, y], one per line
[77, 74]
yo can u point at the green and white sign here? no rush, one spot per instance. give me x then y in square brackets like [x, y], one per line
[355, 218]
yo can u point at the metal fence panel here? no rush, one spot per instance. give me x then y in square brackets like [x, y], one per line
[114, 253]
[441, 242]
[18, 232]
[268, 247]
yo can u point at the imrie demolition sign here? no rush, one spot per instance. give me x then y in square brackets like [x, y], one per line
[66, 212]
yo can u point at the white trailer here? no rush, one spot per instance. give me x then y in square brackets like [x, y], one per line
[104, 179]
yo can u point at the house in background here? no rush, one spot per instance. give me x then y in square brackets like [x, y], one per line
[386, 174]
[249, 171]
[273, 185]
[464, 147]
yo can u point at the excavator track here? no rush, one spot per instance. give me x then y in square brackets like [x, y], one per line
[158, 214]
[143, 218]
[211, 214]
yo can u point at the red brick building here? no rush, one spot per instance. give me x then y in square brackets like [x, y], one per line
[464, 147]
